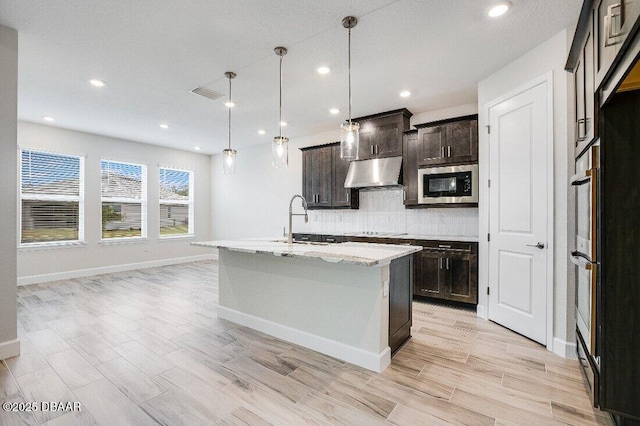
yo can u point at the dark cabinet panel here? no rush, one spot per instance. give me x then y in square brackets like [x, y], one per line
[433, 141]
[462, 279]
[317, 177]
[453, 142]
[447, 270]
[381, 134]
[341, 196]
[429, 280]
[410, 152]
[463, 142]
[323, 176]
[400, 301]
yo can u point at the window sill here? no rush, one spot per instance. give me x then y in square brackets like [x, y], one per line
[125, 240]
[50, 245]
[176, 237]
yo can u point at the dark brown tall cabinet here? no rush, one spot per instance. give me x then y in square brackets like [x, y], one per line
[604, 58]
[323, 176]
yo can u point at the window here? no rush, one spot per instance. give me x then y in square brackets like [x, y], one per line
[51, 198]
[176, 202]
[124, 200]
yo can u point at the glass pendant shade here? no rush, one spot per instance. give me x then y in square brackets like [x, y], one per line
[229, 161]
[280, 152]
[349, 141]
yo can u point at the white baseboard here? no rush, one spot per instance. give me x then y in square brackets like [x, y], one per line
[79, 273]
[9, 349]
[564, 349]
[369, 360]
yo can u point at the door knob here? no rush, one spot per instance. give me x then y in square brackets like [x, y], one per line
[538, 245]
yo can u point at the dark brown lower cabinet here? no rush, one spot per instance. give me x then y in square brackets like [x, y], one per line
[400, 301]
[447, 270]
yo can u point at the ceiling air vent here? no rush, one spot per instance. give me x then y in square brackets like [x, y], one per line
[207, 93]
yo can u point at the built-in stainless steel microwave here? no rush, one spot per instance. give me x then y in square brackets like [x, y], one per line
[448, 185]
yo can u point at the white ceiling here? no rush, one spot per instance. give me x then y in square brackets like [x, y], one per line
[152, 52]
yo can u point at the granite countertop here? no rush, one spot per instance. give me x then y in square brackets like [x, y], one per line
[365, 254]
[405, 236]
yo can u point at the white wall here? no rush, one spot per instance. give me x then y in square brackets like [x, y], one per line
[9, 346]
[255, 201]
[35, 265]
[549, 56]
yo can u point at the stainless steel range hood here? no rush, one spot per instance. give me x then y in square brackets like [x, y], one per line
[377, 172]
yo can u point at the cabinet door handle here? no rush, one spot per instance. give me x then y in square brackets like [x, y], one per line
[449, 151]
[348, 195]
[442, 152]
[377, 149]
[447, 263]
[404, 195]
[440, 262]
[371, 149]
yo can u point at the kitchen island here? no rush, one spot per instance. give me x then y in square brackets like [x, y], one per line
[351, 301]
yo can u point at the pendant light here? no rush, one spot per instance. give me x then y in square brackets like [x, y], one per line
[280, 145]
[229, 155]
[350, 131]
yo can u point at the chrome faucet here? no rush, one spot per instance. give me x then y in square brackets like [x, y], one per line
[291, 214]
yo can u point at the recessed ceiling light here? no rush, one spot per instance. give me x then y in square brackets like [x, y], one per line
[164, 126]
[405, 93]
[196, 148]
[47, 118]
[284, 123]
[323, 70]
[334, 111]
[499, 9]
[261, 132]
[229, 104]
[98, 83]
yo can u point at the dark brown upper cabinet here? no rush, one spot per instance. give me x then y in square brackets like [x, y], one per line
[317, 176]
[381, 134]
[323, 176]
[341, 196]
[410, 152]
[446, 142]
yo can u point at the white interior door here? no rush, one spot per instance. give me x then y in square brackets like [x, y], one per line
[518, 212]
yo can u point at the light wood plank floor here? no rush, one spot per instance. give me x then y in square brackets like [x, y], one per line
[146, 347]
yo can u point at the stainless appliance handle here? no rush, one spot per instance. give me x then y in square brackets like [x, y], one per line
[443, 246]
[538, 245]
[581, 179]
[447, 263]
[581, 262]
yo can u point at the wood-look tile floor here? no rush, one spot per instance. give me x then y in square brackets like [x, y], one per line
[146, 347]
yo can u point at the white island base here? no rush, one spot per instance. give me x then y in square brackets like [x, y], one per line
[336, 307]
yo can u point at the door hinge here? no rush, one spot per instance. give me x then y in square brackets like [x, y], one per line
[488, 129]
[488, 291]
[488, 237]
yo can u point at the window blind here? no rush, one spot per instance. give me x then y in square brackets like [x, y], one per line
[123, 189]
[51, 197]
[176, 202]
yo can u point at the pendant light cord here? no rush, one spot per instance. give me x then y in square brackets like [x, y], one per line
[280, 122]
[349, 78]
[229, 131]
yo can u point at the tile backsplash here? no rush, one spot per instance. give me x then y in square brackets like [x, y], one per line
[382, 210]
